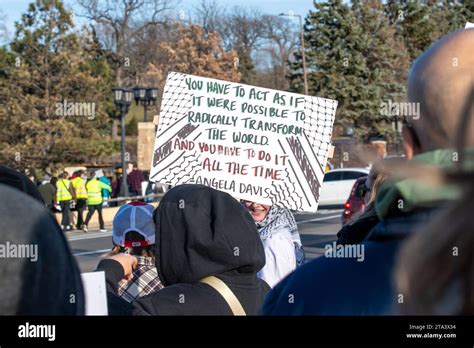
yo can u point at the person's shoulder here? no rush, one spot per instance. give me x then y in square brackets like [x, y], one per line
[336, 284]
[401, 226]
[281, 234]
[278, 237]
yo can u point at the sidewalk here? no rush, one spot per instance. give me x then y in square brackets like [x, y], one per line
[107, 213]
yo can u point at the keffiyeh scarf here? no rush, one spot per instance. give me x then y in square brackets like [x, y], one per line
[277, 219]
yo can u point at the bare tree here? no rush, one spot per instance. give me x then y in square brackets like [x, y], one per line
[264, 43]
[125, 20]
[241, 31]
[209, 16]
[280, 40]
[118, 23]
[243, 28]
[144, 50]
[3, 28]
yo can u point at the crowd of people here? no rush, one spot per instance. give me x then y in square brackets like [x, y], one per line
[72, 194]
[203, 252]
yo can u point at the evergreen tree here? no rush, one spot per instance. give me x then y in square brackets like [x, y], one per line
[386, 62]
[420, 23]
[245, 65]
[353, 57]
[331, 36]
[415, 23]
[457, 13]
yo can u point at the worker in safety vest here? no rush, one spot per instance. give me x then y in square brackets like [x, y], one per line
[79, 186]
[64, 196]
[94, 201]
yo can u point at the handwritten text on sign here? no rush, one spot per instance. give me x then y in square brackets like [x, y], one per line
[255, 143]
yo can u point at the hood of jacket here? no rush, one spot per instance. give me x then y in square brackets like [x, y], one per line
[200, 232]
[39, 275]
[410, 195]
[13, 178]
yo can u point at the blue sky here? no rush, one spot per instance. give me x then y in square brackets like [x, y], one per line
[13, 9]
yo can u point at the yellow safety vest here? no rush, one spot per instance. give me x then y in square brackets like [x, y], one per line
[94, 191]
[79, 185]
[62, 190]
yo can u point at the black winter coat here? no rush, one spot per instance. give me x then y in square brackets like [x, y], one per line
[199, 232]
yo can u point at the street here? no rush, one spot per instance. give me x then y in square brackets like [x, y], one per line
[316, 229]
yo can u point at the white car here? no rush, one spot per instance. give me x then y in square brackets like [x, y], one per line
[337, 185]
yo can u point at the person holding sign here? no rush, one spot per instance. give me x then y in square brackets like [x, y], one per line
[208, 255]
[281, 241]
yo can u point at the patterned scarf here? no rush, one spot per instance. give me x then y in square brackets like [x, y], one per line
[281, 218]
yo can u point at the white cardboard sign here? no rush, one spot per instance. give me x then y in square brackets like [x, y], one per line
[254, 143]
[95, 293]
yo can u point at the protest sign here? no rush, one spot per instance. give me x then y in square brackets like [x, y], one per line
[257, 144]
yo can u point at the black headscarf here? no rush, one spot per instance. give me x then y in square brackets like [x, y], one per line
[200, 232]
[51, 285]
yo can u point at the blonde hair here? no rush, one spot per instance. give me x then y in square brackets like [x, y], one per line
[375, 186]
[369, 209]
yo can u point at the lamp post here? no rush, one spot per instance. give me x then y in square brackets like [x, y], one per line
[145, 97]
[123, 99]
[397, 148]
[305, 78]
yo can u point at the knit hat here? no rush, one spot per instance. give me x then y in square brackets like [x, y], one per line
[135, 216]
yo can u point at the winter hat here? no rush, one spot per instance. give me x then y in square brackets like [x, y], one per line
[13, 178]
[135, 216]
[29, 287]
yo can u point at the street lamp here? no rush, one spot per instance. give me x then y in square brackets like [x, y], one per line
[397, 147]
[122, 99]
[145, 97]
[302, 48]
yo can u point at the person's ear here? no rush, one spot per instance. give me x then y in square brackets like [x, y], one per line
[411, 145]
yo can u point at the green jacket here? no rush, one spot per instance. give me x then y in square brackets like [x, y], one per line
[94, 191]
[408, 195]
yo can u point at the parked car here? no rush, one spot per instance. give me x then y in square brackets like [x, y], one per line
[337, 185]
[356, 202]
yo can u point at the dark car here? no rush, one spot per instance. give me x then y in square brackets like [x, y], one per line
[355, 203]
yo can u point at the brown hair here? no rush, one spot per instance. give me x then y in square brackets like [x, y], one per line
[148, 251]
[369, 209]
[435, 271]
[379, 180]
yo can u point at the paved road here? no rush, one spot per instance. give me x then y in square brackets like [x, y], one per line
[316, 231]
